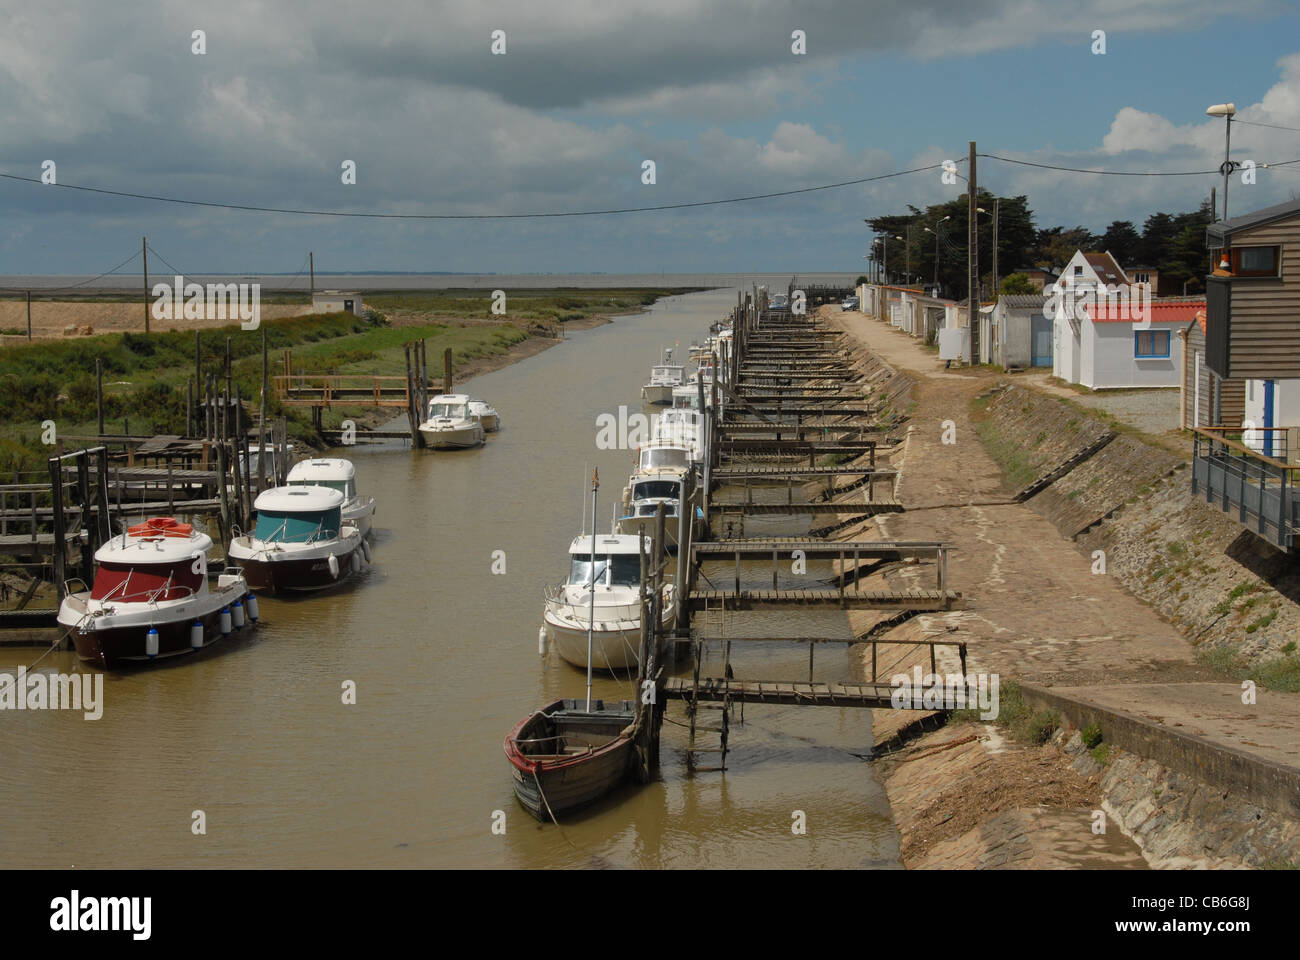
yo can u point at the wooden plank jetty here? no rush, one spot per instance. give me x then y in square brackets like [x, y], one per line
[718, 690]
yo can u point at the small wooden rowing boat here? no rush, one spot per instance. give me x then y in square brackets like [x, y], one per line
[565, 756]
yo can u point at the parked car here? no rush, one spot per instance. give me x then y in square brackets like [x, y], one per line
[849, 303]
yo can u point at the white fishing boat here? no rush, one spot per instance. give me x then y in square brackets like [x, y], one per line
[151, 597]
[337, 474]
[663, 378]
[605, 596]
[451, 423]
[487, 415]
[301, 541]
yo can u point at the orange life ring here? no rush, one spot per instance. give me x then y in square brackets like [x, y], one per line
[158, 527]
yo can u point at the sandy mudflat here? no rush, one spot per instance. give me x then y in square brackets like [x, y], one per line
[52, 318]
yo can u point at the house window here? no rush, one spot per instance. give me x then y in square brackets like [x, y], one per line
[1141, 278]
[1255, 261]
[1151, 344]
[1078, 271]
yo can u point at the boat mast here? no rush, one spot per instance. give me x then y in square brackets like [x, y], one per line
[591, 588]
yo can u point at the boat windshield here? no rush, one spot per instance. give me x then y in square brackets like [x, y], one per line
[654, 488]
[345, 487]
[655, 458]
[621, 569]
[274, 526]
[456, 411]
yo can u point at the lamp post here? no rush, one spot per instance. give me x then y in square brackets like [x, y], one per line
[936, 250]
[995, 243]
[1227, 111]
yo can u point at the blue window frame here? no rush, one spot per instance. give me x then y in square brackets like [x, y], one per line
[1151, 344]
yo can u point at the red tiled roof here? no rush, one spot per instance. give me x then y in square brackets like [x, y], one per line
[1168, 311]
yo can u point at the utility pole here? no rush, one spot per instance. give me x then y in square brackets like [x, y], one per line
[972, 264]
[311, 260]
[144, 252]
[29, 316]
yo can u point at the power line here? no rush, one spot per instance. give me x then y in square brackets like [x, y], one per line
[1256, 123]
[1111, 173]
[475, 216]
[71, 286]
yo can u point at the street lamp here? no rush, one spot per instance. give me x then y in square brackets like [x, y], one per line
[1227, 111]
[995, 243]
[936, 250]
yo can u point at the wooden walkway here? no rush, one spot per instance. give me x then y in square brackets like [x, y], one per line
[745, 599]
[819, 509]
[717, 690]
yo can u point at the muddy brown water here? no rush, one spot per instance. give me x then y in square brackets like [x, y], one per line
[444, 656]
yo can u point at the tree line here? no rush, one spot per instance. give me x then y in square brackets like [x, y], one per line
[928, 246]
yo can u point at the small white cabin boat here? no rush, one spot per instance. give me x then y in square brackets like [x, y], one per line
[487, 415]
[616, 624]
[663, 378]
[450, 423]
[337, 474]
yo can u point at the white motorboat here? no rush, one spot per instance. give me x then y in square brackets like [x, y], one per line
[613, 613]
[663, 378]
[151, 597]
[451, 423]
[337, 474]
[301, 541]
[487, 415]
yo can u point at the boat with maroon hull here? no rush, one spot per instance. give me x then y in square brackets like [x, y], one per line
[151, 597]
[565, 756]
[300, 542]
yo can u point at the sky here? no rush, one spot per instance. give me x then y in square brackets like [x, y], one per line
[584, 94]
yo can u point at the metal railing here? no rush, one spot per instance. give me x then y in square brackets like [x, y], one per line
[1260, 487]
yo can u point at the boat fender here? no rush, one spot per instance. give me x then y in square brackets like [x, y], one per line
[334, 566]
[196, 634]
[365, 550]
[151, 643]
[541, 641]
[225, 621]
[250, 602]
[237, 614]
[356, 562]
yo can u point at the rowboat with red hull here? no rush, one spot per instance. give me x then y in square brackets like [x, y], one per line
[565, 756]
[151, 597]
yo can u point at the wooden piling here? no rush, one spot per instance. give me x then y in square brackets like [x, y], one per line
[59, 555]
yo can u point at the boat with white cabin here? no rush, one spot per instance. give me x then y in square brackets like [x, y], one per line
[341, 475]
[663, 378]
[487, 414]
[614, 613]
[451, 424]
[300, 542]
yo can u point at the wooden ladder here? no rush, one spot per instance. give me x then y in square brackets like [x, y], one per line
[712, 615]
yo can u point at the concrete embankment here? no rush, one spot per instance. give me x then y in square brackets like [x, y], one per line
[1026, 488]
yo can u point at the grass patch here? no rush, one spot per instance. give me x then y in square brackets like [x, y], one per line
[1280, 673]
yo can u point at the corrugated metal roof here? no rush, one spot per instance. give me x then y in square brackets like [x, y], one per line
[1020, 301]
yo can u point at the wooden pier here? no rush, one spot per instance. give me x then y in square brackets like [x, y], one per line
[796, 415]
